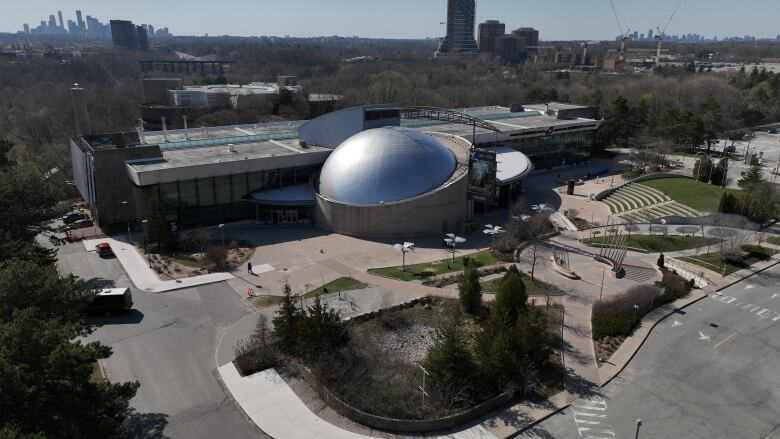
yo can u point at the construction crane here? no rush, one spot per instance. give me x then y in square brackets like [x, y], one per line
[662, 32]
[623, 34]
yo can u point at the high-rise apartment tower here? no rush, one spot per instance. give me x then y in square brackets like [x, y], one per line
[461, 18]
[487, 33]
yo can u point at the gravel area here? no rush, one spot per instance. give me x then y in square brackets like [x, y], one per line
[409, 344]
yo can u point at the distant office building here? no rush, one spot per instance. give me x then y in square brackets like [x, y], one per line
[26, 28]
[511, 49]
[529, 34]
[461, 18]
[128, 36]
[62, 24]
[487, 34]
[649, 34]
[52, 21]
[141, 38]
[72, 27]
[150, 30]
[80, 23]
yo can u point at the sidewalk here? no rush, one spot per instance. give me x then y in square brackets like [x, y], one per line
[277, 410]
[143, 277]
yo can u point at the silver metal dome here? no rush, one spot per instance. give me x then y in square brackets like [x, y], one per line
[385, 165]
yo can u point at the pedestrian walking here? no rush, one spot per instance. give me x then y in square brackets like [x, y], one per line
[249, 267]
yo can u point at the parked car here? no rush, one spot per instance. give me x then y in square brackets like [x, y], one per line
[103, 249]
[82, 224]
[71, 217]
[730, 148]
[772, 131]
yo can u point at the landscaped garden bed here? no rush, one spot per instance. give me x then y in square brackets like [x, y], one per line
[730, 263]
[428, 269]
[658, 243]
[337, 286]
[615, 319]
[473, 356]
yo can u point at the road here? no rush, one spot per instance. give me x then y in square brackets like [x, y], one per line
[168, 344]
[709, 371]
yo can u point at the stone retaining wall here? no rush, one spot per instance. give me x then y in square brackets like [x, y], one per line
[401, 425]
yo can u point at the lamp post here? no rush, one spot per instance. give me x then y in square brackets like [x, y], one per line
[144, 222]
[127, 218]
[452, 241]
[492, 231]
[638, 424]
[636, 311]
[222, 232]
[404, 248]
[603, 273]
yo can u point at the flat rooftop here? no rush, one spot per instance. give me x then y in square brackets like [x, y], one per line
[506, 121]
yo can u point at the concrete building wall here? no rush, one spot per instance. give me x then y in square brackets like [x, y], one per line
[100, 177]
[437, 212]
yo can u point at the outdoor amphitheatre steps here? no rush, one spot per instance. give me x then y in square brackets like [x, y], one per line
[639, 203]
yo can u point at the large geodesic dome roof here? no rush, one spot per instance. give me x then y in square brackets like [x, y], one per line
[385, 165]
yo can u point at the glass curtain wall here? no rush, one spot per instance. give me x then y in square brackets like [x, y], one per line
[555, 150]
[214, 200]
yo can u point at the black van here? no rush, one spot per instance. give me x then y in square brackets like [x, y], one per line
[111, 300]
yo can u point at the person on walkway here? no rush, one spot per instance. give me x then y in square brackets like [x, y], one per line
[249, 267]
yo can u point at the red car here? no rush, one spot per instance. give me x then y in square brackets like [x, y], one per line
[103, 249]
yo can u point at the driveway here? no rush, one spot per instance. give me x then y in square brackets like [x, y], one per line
[167, 343]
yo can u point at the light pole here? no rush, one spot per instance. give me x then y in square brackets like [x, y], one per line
[127, 218]
[144, 222]
[452, 241]
[603, 273]
[222, 232]
[404, 248]
[492, 231]
[638, 424]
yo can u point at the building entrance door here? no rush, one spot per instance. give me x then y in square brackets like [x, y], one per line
[286, 216]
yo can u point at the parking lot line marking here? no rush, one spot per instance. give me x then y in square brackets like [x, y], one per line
[725, 340]
[592, 415]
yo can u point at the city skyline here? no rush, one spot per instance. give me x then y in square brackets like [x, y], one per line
[557, 20]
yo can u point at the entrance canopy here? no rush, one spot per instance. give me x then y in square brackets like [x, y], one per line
[513, 165]
[298, 195]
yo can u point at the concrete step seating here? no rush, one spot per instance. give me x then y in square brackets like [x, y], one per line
[643, 204]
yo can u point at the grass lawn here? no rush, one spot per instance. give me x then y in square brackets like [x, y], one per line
[700, 196]
[774, 240]
[418, 271]
[531, 287]
[658, 244]
[712, 261]
[338, 285]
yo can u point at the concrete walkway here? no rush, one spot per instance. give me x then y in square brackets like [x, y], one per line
[144, 277]
[277, 410]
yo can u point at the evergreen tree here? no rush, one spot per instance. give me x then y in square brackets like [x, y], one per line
[531, 337]
[701, 170]
[751, 178]
[470, 290]
[286, 322]
[157, 233]
[450, 360]
[321, 329]
[511, 297]
[728, 203]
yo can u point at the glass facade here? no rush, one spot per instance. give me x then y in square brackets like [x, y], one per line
[564, 149]
[214, 200]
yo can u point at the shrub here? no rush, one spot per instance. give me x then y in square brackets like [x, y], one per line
[257, 352]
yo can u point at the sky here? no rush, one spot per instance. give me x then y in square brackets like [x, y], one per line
[555, 19]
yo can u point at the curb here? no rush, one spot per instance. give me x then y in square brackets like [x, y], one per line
[540, 420]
